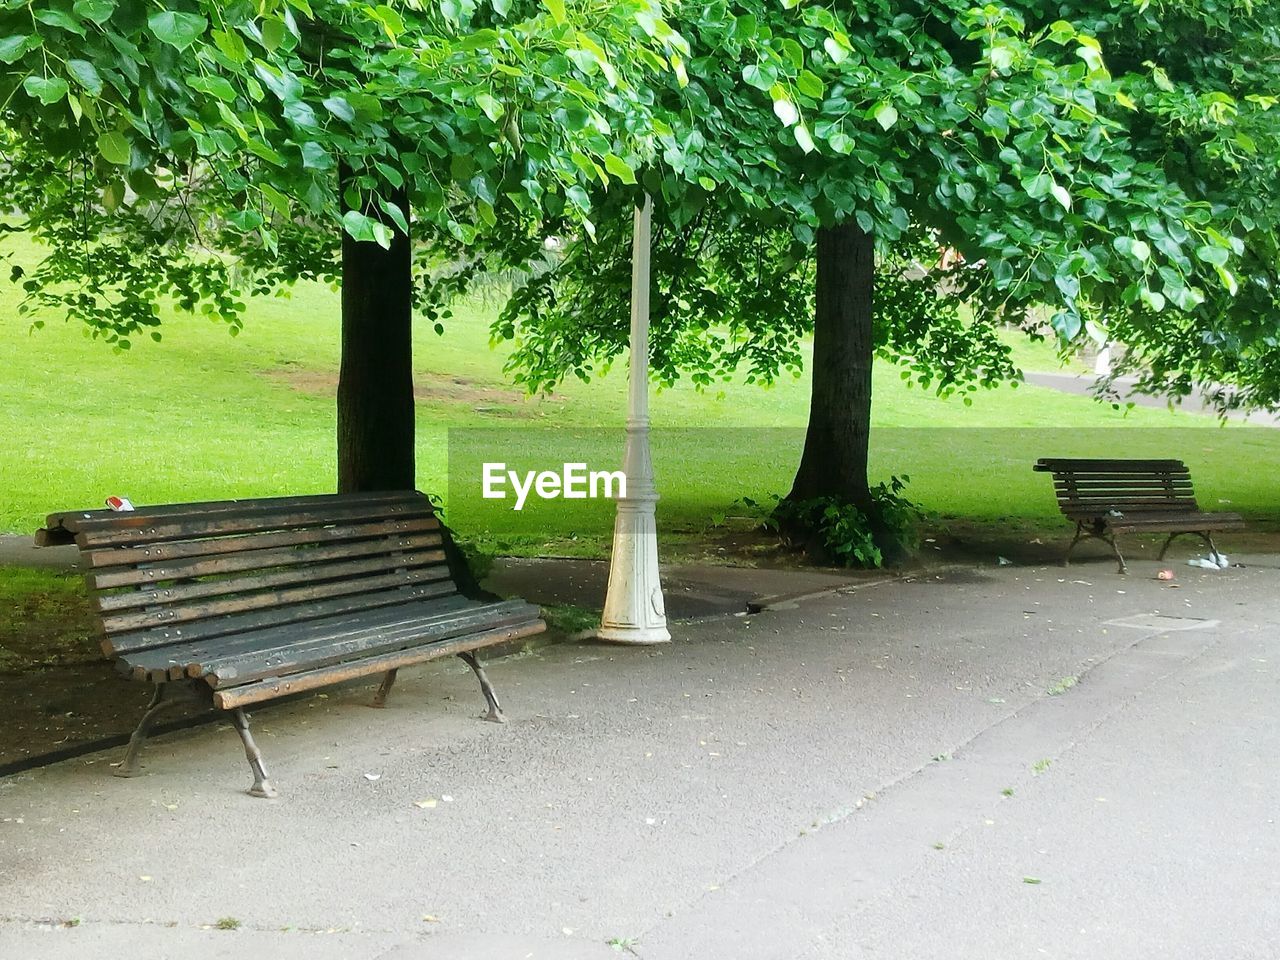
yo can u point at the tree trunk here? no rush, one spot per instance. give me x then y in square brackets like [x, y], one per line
[834, 462]
[836, 446]
[375, 381]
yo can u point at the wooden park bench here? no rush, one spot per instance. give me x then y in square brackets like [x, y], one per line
[238, 602]
[1110, 497]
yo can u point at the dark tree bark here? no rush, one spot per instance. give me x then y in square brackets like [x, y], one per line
[834, 462]
[836, 446]
[375, 382]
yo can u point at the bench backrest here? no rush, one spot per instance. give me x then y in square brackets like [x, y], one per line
[183, 572]
[1091, 488]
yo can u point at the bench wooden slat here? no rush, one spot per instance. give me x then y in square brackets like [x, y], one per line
[270, 689]
[174, 596]
[1046, 464]
[74, 520]
[118, 556]
[118, 623]
[310, 552]
[1067, 482]
[285, 650]
[137, 529]
[231, 624]
[1106, 508]
[193, 652]
[233, 670]
[1103, 497]
[1188, 522]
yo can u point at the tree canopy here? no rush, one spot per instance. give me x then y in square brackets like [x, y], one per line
[1110, 167]
[140, 138]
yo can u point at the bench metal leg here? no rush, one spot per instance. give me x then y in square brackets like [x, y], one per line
[1169, 540]
[261, 785]
[1111, 540]
[380, 698]
[160, 702]
[495, 711]
[1066, 561]
[1207, 537]
[1097, 533]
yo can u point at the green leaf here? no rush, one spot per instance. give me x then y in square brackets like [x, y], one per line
[179, 30]
[112, 196]
[1038, 185]
[1217, 256]
[46, 89]
[809, 84]
[1061, 195]
[215, 86]
[86, 75]
[276, 199]
[619, 168]
[490, 105]
[231, 45]
[97, 11]
[340, 108]
[273, 33]
[316, 157]
[114, 147]
[12, 48]
[358, 225]
[835, 51]
[1152, 298]
[60, 19]
[1138, 249]
[885, 114]
[760, 77]
[557, 9]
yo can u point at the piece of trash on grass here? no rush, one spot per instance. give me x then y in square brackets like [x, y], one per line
[1165, 574]
[373, 776]
[427, 804]
[1004, 561]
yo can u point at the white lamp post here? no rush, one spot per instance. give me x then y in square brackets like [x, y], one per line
[633, 607]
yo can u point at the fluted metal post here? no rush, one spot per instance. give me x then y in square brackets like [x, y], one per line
[634, 611]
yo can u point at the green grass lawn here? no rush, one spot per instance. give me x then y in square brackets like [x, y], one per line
[203, 415]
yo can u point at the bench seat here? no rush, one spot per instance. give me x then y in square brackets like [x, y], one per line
[239, 602]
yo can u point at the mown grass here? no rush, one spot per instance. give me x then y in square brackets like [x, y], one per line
[203, 415]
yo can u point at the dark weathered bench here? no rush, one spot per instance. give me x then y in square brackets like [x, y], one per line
[242, 601]
[1110, 497]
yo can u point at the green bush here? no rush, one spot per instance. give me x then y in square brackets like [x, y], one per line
[844, 534]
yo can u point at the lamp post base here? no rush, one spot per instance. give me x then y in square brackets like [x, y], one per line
[634, 611]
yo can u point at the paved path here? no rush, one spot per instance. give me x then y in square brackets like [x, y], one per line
[1081, 384]
[877, 772]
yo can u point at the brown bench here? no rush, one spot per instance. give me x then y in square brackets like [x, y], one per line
[1110, 497]
[238, 602]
